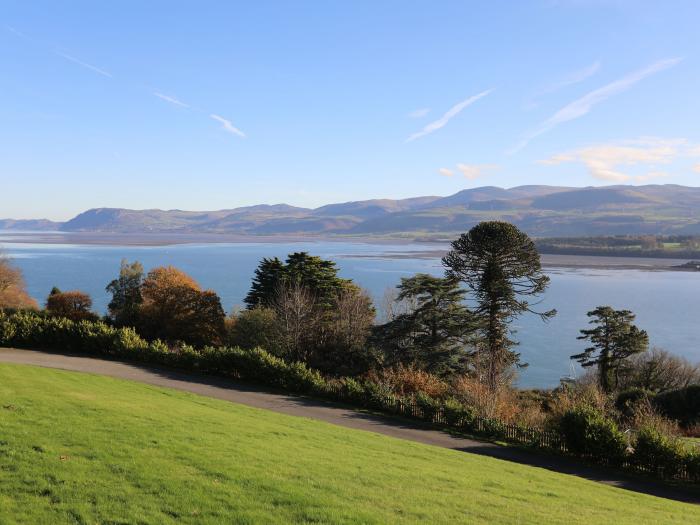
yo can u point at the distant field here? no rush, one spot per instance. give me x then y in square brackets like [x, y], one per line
[77, 448]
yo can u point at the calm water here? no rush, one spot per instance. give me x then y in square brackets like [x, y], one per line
[666, 303]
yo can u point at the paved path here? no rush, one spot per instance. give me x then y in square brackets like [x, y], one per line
[336, 414]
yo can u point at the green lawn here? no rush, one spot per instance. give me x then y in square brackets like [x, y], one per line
[77, 448]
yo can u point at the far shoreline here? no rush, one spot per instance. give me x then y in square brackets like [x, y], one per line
[435, 248]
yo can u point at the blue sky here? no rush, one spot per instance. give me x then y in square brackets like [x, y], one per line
[211, 105]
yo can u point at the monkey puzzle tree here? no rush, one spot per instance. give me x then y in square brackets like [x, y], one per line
[501, 268]
[613, 339]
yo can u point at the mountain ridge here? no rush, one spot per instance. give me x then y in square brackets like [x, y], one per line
[538, 209]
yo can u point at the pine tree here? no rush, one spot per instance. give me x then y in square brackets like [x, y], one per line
[318, 276]
[434, 334]
[613, 340]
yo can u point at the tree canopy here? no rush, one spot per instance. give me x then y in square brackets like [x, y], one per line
[433, 335]
[13, 291]
[500, 267]
[73, 304]
[317, 275]
[613, 339]
[126, 294]
[175, 308]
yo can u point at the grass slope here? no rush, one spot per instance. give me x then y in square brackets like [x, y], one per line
[78, 448]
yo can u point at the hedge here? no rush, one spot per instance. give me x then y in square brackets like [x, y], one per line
[583, 432]
[682, 404]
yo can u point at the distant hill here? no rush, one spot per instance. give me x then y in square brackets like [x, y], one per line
[29, 225]
[542, 211]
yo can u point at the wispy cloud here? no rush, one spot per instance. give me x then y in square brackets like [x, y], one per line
[228, 126]
[419, 113]
[603, 161]
[572, 78]
[92, 68]
[446, 172]
[15, 31]
[170, 99]
[582, 106]
[696, 168]
[450, 114]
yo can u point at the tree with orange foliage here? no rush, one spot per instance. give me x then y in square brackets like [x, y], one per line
[74, 305]
[175, 308]
[13, 292]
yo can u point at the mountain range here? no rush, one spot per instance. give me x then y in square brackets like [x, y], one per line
[542, 211]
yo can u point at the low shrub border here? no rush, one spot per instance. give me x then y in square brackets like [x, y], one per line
[584, 433]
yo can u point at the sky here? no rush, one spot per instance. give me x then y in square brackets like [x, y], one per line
[213, 105]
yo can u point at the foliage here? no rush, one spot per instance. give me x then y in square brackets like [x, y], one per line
[253, 328]
[644, 414]
[668, 246]
[318, 276]
[500, 265]
[299, 321]
[457, 414]
[658, 371]
[126, 294]
[626, 400]
[613, 339]
[74, 305]
[586, 431]
[434, 334]
[501, 403]
[13, 291]
[665, 456]
[319, 318]
[175, 308]
[682, 405]
[267, 279]
[409, 380]
[589, 433]
[342, 348]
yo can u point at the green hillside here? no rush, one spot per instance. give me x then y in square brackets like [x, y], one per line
[77, 448]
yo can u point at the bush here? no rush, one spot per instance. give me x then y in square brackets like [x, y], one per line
[584, 428]
[30, 330]
[74, 305]
[409, 380]
[252, 329]
[348, 389]
[627, 399]
[665, 456]
[682, 404]
[429, 406]
[458, 415]
[589, 433]
[379, 396]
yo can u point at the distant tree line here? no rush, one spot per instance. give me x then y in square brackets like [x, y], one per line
[662, 246]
